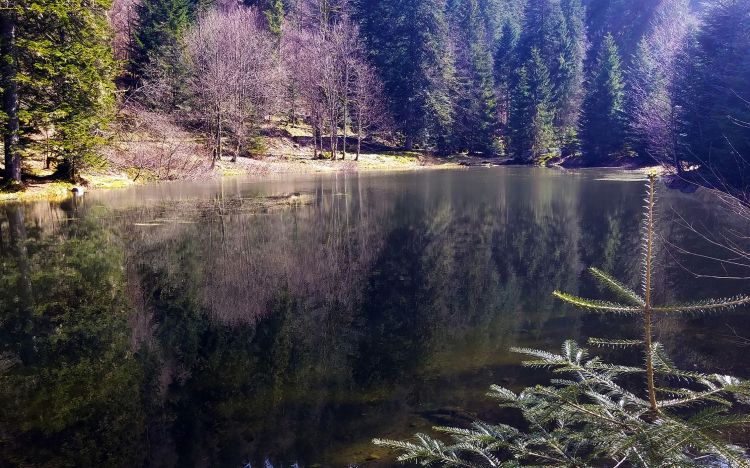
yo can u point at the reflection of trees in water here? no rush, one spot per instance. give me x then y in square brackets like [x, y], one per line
[71, 397]
[295, 322]
[297, 333]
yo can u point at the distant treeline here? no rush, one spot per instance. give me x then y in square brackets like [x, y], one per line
[595, 80]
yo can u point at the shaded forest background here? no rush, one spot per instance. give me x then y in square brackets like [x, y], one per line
[583, 82]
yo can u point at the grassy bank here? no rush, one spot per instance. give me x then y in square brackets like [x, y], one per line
[37, 187]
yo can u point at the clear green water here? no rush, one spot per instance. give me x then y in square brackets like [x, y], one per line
[205, 324]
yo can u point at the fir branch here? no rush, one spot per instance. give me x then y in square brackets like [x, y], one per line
[597, 305]
[617, 287]
[708, 305]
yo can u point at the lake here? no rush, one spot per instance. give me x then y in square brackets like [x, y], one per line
[287, 322]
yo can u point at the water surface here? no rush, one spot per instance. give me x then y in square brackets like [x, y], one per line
[290, 321]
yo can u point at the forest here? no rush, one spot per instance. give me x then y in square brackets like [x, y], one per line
[577, 82]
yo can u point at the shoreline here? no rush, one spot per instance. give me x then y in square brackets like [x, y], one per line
[59, 190]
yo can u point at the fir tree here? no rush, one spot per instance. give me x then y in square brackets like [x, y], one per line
[592, 416]
[273, 12]
[504, 61]
[713, 94]
[569, 81]
[65, 73]
[9, 84]
[603, 125]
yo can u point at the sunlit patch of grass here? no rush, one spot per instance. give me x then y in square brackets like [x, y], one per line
[299, 130]
[108, 181]
[56, 190]
[229, 171]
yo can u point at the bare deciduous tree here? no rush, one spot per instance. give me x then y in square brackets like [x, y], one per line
[233, 74]
[368, 103]
[326, 67]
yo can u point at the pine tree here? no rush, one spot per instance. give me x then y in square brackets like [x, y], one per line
[603, 125]
[273, 11]
[651, 80]
[556, 30]
[274, 14]
[504, 61]
[9, 84]
[713, 93]
[568, 89]
[542, 26]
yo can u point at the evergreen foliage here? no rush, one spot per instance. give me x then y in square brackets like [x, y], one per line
[475, 114]
[531, 131]
[714, 95]
[570, 76]
[409, 44]
[273, 11]
[66, 74]
[504, 72]
[592, 414]
[603, 124]
[156, 66]
[493, 77]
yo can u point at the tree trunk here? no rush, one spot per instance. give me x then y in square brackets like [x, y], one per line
[237, 151]
[346, 107]
[8, 75]
[359, 138]
[218, 136]
[343, 148]
[333, 138]
[409, 142]
[316, 136]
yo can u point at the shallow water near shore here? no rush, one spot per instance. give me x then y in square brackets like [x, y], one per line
[287, 322]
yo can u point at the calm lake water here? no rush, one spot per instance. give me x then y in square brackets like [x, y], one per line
[214, 324]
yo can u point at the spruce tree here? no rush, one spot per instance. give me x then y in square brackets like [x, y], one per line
[603, 123]
[556, 30]
[273, 12]
[505, 61]
[594, 413]
[569, 80]
[409, 44]
[713, 94]
[9, 85]
[159, 26]
[65, 71]
[475, 103]
[531, 129]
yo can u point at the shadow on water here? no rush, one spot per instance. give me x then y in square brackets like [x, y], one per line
[182, 325]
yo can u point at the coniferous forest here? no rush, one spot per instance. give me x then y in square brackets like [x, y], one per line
[582, 82]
